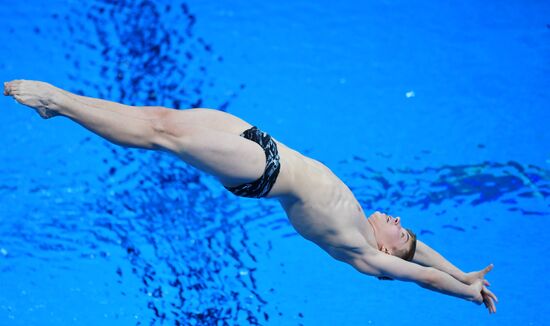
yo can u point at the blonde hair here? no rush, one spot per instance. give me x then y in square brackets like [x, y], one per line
[408, 253]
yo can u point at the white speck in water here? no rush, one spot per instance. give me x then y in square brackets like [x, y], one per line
[243, 273]
[409, 94]
[3, 251]
[226, 13]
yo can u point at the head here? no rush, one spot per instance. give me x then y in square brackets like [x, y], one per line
[391, 237]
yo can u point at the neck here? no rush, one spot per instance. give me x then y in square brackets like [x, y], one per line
[374, 231]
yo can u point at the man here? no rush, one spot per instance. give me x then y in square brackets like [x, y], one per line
[251, 163]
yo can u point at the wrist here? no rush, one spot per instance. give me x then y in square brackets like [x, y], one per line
[474, 295]
[462, 277]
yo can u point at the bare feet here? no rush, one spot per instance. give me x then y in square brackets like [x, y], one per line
[35, 94]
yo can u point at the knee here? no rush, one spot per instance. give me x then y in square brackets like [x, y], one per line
[170, 131]
[157, 116]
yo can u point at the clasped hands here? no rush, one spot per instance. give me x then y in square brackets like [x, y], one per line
[478, 281]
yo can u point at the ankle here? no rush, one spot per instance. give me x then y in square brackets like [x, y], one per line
[56, 100]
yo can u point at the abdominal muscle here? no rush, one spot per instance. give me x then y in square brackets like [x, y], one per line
[321, 207]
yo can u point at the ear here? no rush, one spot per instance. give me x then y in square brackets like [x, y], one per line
[385, 250]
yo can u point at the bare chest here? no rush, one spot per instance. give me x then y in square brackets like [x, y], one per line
[324, 210]
[332, 220]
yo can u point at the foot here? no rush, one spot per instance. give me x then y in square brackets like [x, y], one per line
[35, 94]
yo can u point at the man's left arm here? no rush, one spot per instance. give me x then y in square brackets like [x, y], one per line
[426, 256]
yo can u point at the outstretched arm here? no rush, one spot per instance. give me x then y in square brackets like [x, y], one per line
[380, 264]
[383, 265]
[426, 256]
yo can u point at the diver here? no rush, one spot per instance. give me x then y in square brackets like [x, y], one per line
[251, 163]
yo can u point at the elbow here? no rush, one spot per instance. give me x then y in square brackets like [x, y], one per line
[430, 279]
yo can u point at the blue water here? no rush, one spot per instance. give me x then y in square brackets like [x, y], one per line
[435, 112]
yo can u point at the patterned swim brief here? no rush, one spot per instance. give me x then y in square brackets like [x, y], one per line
[262, 186]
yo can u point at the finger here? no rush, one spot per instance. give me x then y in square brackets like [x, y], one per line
[486, 291]
[486, 283]
[489, 304]
[487, 269]
[493, 307]
[491, 294]
[490, 308]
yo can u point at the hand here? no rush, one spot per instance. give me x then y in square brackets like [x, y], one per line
[470, 278]
[484, 295]
[489, 299]
[477, 290]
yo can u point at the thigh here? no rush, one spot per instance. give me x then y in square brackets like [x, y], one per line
[206, 118]
[232, 159]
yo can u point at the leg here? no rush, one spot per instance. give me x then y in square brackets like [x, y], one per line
[234, 160]
[118, 123]
[188, 134]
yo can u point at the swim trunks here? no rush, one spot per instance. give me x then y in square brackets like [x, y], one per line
[262, 186]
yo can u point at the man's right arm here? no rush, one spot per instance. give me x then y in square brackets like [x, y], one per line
[380, 264]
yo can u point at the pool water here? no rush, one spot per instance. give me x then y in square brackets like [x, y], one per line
[435, 112]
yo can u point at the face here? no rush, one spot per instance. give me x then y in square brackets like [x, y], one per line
[389, 233]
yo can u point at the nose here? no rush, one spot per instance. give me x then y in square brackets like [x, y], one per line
[396, 220]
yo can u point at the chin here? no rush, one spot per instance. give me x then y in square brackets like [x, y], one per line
[376, 216]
